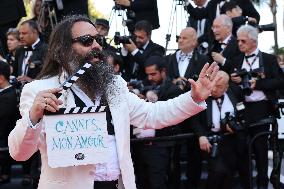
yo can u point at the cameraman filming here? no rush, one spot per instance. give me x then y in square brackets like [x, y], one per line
[222, 165]
[259, 102]
[152, 159]
[136, 52]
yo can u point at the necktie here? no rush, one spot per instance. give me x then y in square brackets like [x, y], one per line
[219, 102]
[184, 56]
[249, 56]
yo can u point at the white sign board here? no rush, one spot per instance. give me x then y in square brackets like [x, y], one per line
[76, 139]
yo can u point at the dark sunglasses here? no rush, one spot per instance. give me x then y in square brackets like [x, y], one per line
[85, 40]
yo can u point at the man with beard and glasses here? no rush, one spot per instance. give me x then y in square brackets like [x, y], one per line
[71, 44]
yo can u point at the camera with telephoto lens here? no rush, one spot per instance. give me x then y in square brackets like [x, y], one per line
[122, 39]
[234, 122]
[264, 27]
[247, 76]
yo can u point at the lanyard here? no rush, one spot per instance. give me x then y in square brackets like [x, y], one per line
[250, 64]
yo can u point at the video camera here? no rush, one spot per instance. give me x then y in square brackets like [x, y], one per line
[122, 39]
[247, 76]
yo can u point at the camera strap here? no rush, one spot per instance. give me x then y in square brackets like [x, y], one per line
[250, 64]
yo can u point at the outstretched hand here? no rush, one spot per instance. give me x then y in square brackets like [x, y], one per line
[201, 89]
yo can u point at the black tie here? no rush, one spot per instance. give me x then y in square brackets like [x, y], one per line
[249, 56]
[29, 48]
[219, 102]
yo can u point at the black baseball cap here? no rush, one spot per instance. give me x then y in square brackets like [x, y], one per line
[103, 22]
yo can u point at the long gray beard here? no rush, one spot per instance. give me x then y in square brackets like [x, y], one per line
[96, 80]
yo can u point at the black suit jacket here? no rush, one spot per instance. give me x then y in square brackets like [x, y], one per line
[194, 67]
[210, 10]
[36, 60]
[140, 58]
[202, 123]
[8, 114]
[11, 10]
[146, 10]
[206, 37]
[230, 51]
[273, 74]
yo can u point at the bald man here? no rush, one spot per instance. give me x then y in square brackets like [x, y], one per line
[230, 148]
[186, 63]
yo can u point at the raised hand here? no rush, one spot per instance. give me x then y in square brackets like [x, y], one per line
[201, 89]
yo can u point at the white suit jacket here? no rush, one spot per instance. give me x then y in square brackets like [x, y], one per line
[126, 108]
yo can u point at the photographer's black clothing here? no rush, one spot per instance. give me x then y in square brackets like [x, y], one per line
[145, 10]
[134, 65]
[209, 11]
[11, 12]
[152, 159]
[196, 63]
[9, 113]
[35, 61]
[228, 51]
[269, 81]
[230, 148]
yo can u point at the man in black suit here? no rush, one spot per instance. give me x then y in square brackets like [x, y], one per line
[223, 100]
[225, 45]
[11, 11]
[136, 53]
[187, 63]
[143, 10]
[202, 26]
[214, 9]
[261, 94]
[152, 159]
[8, 117]
[28, 64]
[29, 58]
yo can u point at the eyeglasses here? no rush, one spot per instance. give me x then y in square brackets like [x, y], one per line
[85, 40]
[242, 41]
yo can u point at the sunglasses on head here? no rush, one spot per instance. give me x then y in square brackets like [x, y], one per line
[85, 40]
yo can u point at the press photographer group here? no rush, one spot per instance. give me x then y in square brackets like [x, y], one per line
[83, 109]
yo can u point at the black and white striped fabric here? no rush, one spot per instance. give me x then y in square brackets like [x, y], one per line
[73, 78]
[78, 110]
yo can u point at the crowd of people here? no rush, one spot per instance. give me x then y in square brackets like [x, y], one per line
[217, 83]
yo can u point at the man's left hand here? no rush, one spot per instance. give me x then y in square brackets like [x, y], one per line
[201, 89]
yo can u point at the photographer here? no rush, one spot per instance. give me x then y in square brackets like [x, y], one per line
[28, 64]
[152, 159]
[140, 10]
[222, 103]
[102, 26]
[8, 116]
[233, 10]
[259, 100]
[225, 46]
[186, 63]
[136, 52]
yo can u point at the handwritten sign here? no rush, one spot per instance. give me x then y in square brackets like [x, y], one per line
[76, 139]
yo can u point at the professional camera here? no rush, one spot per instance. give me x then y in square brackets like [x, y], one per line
[234, 122]
[122, 39]
[265, 27]
[247, 76]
